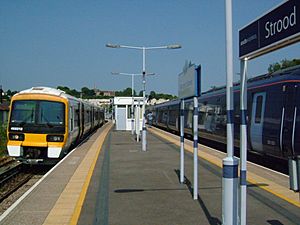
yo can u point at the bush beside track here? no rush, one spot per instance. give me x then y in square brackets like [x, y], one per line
[3, 141]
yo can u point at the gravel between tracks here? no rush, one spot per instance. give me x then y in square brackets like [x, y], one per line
[6, 203]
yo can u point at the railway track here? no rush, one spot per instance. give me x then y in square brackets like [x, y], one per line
[12, 176]
[16, 180]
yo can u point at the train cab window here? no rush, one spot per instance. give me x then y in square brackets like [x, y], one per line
[23, 112]
[51, 113]
[38, 112]
[258, 112]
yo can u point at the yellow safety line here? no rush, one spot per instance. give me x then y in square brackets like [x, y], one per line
[69, 204]
[190, 149]
[275, 193]
[79, 204]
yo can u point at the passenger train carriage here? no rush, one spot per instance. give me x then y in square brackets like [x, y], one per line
[45, 122]
[273, 114]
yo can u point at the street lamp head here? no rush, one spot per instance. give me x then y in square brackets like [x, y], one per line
[173, 46]
[150, 74]
[132, 74]
[112, 45]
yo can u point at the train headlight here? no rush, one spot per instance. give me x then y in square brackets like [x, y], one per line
[16, 137]
[55, 138]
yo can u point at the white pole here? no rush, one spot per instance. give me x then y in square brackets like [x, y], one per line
[132, 104]
[182, 141]
[144, 139]
[243, 143]
[195, 128]
[137, 122]
[230, 164]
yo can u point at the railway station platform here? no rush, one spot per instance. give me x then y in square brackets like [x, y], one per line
[109, 180]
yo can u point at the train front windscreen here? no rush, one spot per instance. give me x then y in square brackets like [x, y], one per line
[37, 116]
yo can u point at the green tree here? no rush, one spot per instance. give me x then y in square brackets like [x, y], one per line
[87, 93]
[285, 63]
[74, 93]
[152, 95]
[68, 91]
[10, 93]
[63, 88]
[3, 140]
[127, 92]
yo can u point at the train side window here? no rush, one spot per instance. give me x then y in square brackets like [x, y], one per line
[76, 118]
[258, 112]
[71, 118]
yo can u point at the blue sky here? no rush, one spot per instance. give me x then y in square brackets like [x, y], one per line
[51, 43]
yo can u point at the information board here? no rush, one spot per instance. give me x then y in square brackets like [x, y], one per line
[189, 82]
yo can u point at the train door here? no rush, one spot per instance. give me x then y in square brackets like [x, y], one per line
[82, 118]
[288, 119]
[71, 118]
[296, 123]
[257, 120]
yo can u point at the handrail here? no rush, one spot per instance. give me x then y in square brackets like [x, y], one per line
[294, 128]
[281, 129]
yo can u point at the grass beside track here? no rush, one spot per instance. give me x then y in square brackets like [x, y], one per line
[3, 141]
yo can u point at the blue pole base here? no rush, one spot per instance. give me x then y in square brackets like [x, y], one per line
[230, 191]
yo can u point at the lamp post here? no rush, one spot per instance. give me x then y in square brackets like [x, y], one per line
[132, 94]
[1, 92]
[176, 46]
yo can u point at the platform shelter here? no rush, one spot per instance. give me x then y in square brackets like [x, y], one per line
[123, 109]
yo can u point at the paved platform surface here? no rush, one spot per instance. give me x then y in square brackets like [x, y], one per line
[131, 187]
[269, 180]
[109, 180]
[54, 199]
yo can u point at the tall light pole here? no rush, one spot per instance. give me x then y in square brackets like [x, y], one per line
[230, 163]
[132, 94]
[176, 46]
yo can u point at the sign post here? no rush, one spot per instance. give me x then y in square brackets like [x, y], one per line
[137, 121]
[276, 29]
[195, 145]
[243, 143]
[182, 141]
[189, 87]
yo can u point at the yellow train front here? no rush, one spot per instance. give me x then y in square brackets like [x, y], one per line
[45, 122]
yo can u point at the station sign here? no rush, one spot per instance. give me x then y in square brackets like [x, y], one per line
[276, 29]
[189, 82]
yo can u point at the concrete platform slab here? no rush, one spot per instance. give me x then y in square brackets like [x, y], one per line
[137, 188]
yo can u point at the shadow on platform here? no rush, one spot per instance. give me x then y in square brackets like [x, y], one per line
[211, 220]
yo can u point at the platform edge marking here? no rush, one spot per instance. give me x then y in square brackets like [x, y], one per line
[252, 181]
[78, 207]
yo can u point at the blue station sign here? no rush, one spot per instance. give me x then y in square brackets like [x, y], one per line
[189, 82]
[277, 28]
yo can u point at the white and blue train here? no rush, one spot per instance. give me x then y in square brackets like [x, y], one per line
[273, 116]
